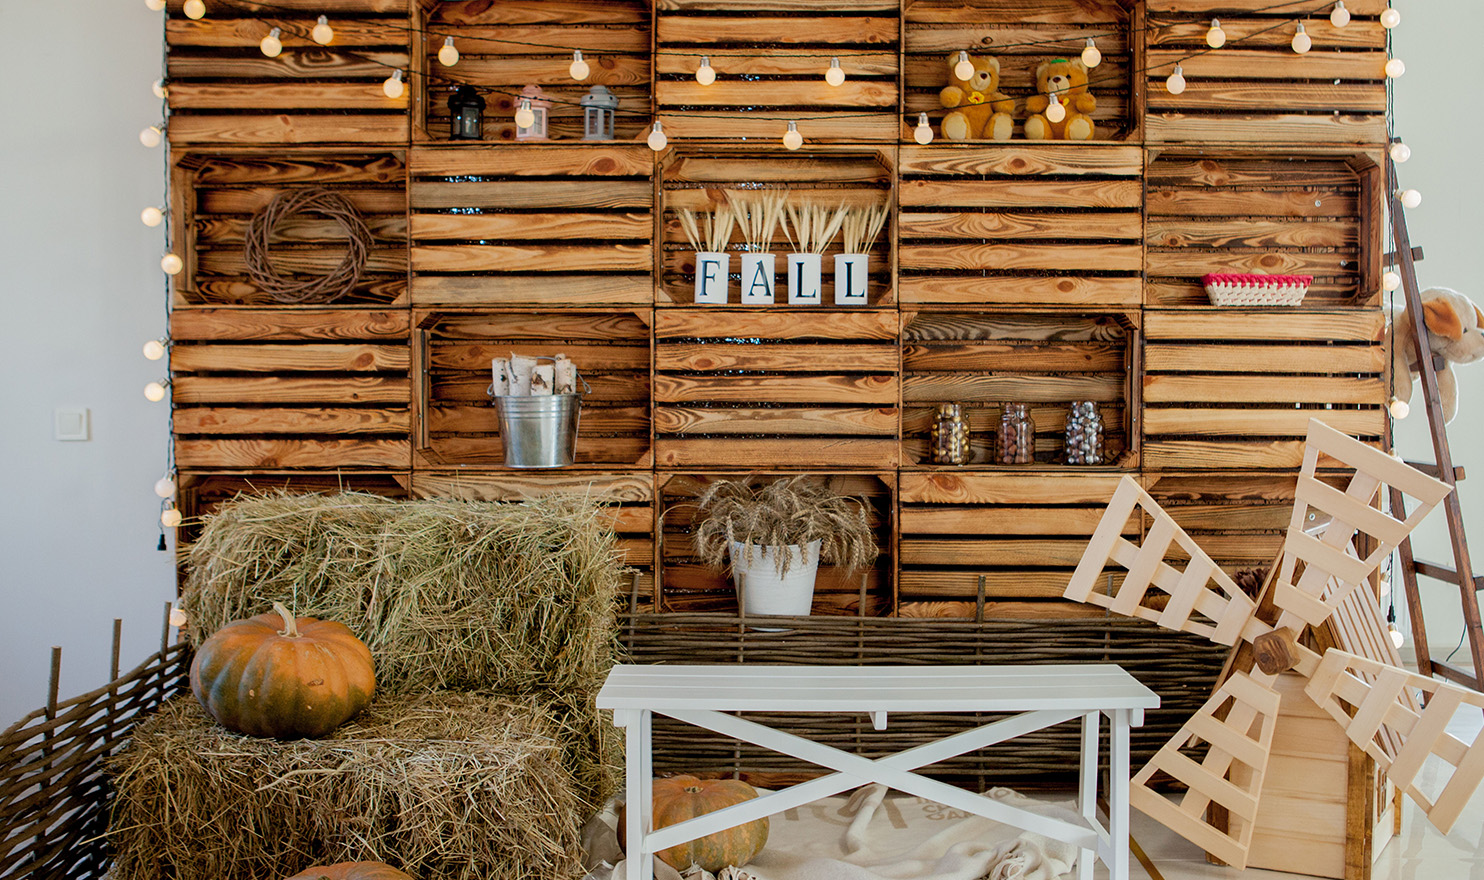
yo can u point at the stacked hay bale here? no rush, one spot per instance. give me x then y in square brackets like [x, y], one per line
[492, 629]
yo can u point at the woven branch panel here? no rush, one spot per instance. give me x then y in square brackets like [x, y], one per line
[1049, 224]
[458, 424]
[224, 90]
[309, 388]
[1261, 91]
[553, 226]
[689, 585]
[1020, 36]
[1050, 755]
[216, 194]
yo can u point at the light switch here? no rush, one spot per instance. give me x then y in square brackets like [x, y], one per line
[71, 423]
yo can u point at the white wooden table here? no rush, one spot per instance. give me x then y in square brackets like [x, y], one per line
[1037, 696]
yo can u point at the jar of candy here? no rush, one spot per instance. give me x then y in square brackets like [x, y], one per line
[950, 435]
[1084, 437]
[1016, 441]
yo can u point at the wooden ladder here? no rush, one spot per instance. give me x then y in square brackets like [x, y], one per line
[1461, 573]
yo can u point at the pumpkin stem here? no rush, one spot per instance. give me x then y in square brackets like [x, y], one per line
[289, 629]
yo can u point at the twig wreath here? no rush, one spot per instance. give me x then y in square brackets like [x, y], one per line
[286, 206]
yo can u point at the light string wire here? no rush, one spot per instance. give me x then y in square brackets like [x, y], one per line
[169, 232]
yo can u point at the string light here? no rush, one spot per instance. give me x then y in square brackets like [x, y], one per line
[152, 216]
[1302, 42]
[657, 139]
[154, 392]
[154, 349]
[272, 46]
[165, 486]
[705, 74]
[1055, 111]
[195, 10]
[1400, 152]
[1395, 68]
[525, 117]
[160, 89]
[791, 138]
[152, 136]
[1340, 16]
[154, 5]
[170, 518]
[322, 32]
[393, 86]
[964, 68]
[1391, 280]
[1390, 18]
[448, 55]
[178, 618]
[1176, 83]
[579, 68]
[1397, 638]
[1091, 55]
[836, 74]
[923, 133]
[171, 264]
[1410, 198]
[1399, 408]
[1215, 37]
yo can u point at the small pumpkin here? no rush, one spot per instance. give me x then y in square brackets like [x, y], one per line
[352, 871]
[677, 798]
[274, 675]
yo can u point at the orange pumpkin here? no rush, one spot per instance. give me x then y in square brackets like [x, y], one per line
[273, 675]
[677, 798]
[352, 871]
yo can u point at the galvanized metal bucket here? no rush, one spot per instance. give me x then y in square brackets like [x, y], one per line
[539, 431]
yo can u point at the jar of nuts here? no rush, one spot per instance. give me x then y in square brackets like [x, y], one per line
[950, 435]
[1084, 437]
[1016, 441]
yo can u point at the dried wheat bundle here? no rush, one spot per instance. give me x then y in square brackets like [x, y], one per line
[758, 217]
[691, 230]
[814, 226]
[782, 513]
[861, 227]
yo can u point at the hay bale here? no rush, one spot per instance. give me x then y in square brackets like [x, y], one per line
[447, 786]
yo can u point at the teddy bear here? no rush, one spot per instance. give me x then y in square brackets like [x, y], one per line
[980, 110]
[1455, 330]
[1068, 81]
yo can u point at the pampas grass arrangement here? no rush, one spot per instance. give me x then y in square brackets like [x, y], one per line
[783, 513]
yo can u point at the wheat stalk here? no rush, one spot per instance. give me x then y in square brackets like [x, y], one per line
[759, 218]
[861, 228]
[719, 225]
[815, 226]
[692, 231]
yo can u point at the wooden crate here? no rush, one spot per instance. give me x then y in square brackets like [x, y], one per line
[215, 195]
[776, 388]
[1237, 519]
[983, 361]
[770, 59]
[628, 498]
[1021, 35]
[532, 225]
[1235, 388]
[507, 45]
[1261, 91]
[458, 424]
[1020, 224]
[1014, 538]
[699, 180]
[1273, 213]
[274, 389]
[688, 585]
[224, 90]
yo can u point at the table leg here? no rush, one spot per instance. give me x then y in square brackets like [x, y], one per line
[1118, 785]
[1087, 789]
[638, 796]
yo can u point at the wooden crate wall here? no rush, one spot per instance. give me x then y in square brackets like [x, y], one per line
[224, 90]
[1020, 36]
[770, 59]
[505, 46]
[1262, 91]
[458, 424]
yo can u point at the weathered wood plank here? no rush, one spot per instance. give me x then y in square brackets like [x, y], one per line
[827, 325]
[1260, 422]
[619, 327]
[1248, 203]
[1287, 128]
[814, 388]
[1253, 33]
[1019, 290]
[788, 31]
[532, 194]
[1021, 193]
[1021, 257]
[316, 63]
[1007, 520]
[1006, 488]
[809, 170]
[816, 358]
[528, 160]
[1251, 233]
[281, 324]
[243, 33]
[331, 390]
[1194, 262]
[539, 12]
[532, 258]
[762, 62]
[259, 358]
[1261, 324]
[549, 290]
[1043, 11]
[252, 128]
[250, 200]
[933, 387]
[774, 93]
[1011, 225]
[1238, 63]
[277, 420]
[294, 453]
[1259, 97]
[609, 488]
[862, 421]
[1264, 358]
[597, 421]
[1021, 160]
[790, 452]
[1263, 389]
[768, 126]
[511, 72]
[277, 96]
[1023, 356]
[589, 358]
[538, 226]
[1004, 553]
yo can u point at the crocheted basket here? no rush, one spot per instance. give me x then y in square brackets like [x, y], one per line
[1256, 290]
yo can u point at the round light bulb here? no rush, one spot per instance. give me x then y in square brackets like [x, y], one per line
[170, 518]
[1395, 68]
[152, 216]
[1054, 110]
[525, 117]
[178, 617]
[923, 133]
[171, 264]
[1340, 16]
[705, 74]
[791, 138]
[322, 32]
[154, 5]
[272, 46]
[579, 68]
[152, 136]
[1397, 639]
[1391, 280]
[393, 87]
[964, 68]
[836, 74]
[154, 349]
[154, 392]
[1399, 408]
[165, 487]
[1176, 83]
[448, 54]
[160, 89]
[195, 9]
[1390, 19]
[1302, 43]
[1215, 37]
[1092, 56]
[1400, 152]
[657, 139]
[1411, 198]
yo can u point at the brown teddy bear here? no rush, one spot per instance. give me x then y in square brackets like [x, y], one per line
[1455, 330]
[1068, 81]
[980, 110]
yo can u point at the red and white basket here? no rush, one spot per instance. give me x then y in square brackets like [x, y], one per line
[1256, 290]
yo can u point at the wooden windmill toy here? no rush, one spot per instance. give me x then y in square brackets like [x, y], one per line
[1317, 576]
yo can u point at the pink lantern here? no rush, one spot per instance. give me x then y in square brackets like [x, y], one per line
[531, 98]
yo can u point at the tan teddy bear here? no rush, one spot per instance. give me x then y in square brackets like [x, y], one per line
[980, 110]
[1068, 81]
[1455, 330]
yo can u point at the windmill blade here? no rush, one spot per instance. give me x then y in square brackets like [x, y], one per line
[1201, 600]
[1237, 725]
[1366, 697]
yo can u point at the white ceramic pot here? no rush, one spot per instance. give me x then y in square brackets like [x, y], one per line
[851, 272]
[711, 277]
[764, 590]
[804, 281]
[757, 279]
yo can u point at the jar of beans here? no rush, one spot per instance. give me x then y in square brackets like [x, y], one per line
[1016, 441]
[950, 435]
[1084, 437]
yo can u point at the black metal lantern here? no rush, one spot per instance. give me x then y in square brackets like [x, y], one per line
[466, 114]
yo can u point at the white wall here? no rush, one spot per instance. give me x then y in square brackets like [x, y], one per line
[82, 291]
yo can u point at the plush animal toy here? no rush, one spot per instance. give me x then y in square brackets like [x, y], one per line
[980, 110]
[1455, 330]
[1068, 81]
